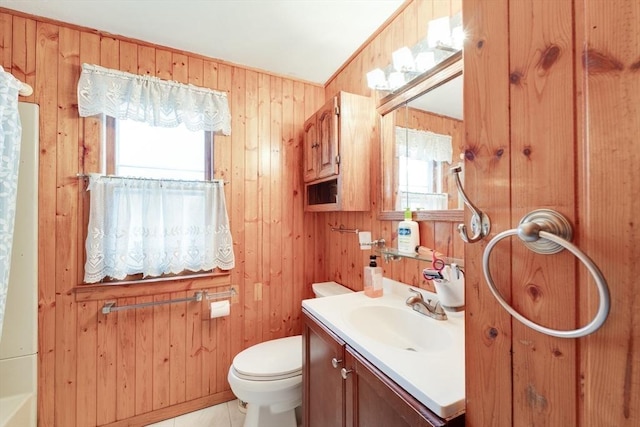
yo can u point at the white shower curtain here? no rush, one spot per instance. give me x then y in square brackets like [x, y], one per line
[10, 135]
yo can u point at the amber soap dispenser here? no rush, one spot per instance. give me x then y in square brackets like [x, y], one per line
[373, 278]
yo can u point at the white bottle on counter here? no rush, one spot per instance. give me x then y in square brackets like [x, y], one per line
[408, 235]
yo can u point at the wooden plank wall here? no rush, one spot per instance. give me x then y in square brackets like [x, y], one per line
[339, 257]
[139, 366]
[487, 160]
[607, 63]
[551, 115]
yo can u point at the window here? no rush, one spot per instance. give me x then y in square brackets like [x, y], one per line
[180, 240]
[156, 211]
[138, 149]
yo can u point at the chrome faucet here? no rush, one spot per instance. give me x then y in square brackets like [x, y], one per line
[428, 308]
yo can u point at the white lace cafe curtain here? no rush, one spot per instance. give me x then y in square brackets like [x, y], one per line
[154, 227]
[423, 145]
[151, 100]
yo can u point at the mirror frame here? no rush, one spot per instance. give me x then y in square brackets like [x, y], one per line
[445, 71]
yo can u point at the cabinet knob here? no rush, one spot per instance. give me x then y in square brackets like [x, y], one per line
[336, 362]
[344, 372]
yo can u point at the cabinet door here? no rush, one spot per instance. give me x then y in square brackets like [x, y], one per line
[327, 134]
[374, 400]
[323, 387]
[310, 149]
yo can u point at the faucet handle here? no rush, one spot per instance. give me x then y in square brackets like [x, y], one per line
[413, 299]
[437, 308]
[418, 293]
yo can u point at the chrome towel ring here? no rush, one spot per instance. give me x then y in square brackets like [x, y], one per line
[548, 232]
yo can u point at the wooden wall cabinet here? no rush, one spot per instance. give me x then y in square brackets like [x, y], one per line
[364, 397]
[337, 153]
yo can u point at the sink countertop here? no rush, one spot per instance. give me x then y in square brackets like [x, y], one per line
[434, 377]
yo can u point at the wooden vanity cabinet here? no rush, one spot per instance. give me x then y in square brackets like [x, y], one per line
[337, 143]
[365, 398]
[323, 397]
[374, 400]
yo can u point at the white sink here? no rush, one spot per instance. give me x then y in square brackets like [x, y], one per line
[422, 355]
[400, 328]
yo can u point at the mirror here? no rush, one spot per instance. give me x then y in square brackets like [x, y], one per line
[422, 131]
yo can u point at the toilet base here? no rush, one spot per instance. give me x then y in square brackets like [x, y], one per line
[261, 416]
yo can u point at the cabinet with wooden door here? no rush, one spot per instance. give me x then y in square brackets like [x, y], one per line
[337, 152]
[342, 388]
[322, 359]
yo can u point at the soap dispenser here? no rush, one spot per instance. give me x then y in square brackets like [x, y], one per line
[372, 278]
[408, 234]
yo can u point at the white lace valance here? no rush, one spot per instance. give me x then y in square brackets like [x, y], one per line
[151, 100]
[155, 227]
[423, 145]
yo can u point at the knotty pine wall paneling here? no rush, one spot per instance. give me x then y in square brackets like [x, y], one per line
[46, 95]
[542, 147]
[607, 64]
[89, 137]
[551, 124]
[140, 366]
[486, 113]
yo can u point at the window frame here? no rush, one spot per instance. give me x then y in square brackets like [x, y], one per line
[107, 151]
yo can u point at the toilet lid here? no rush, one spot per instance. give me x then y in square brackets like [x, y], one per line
[271, 360]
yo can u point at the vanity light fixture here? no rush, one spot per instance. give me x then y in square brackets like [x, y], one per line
[445, 37]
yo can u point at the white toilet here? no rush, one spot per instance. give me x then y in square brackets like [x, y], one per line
[268, 376]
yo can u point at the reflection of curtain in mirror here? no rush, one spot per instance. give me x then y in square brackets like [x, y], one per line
[420, 183]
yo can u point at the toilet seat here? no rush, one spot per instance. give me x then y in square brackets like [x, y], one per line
[271, 360]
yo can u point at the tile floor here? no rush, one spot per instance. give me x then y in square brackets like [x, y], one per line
[222, 415]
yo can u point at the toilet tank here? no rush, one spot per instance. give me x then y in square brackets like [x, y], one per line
[327, 289]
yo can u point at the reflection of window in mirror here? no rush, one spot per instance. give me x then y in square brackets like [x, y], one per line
[424, 147]
[421, 158]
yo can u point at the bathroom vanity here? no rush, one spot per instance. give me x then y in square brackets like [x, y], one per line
[361, 369]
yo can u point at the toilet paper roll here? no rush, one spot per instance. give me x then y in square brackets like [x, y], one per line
[219, 309]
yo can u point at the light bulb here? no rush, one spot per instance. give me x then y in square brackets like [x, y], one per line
[457, 37]
[396, 80]
[403, 60]
[439, 32]
[425, 61]
[376, 79]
